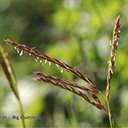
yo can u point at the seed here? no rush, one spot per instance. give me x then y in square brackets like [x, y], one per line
[15, 48]
[57, 65]
[45, 61]
[49, 63]
[113, 58]
[21, 53]
[40, 61]
[111, 71]
[17, 51]
[61, 70]
[110, 63]
[116, 43]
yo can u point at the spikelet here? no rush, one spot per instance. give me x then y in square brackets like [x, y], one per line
[60, 65]
[111, 62]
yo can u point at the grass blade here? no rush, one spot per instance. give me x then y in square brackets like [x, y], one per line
[7, 68]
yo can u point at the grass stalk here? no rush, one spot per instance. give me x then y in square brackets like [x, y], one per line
[111, 64]
[21, 112]
[109, 113]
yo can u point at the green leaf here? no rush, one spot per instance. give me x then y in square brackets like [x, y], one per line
[7, 68]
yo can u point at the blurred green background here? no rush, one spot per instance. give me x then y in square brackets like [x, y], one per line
[76, 32]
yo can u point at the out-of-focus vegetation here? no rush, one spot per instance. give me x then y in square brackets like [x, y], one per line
[77, 32]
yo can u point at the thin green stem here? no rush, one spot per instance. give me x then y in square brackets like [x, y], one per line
[21, 112]
[109, 111]
[109, 114]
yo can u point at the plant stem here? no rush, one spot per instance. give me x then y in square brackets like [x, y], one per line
[21, 112]
[109, 113]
